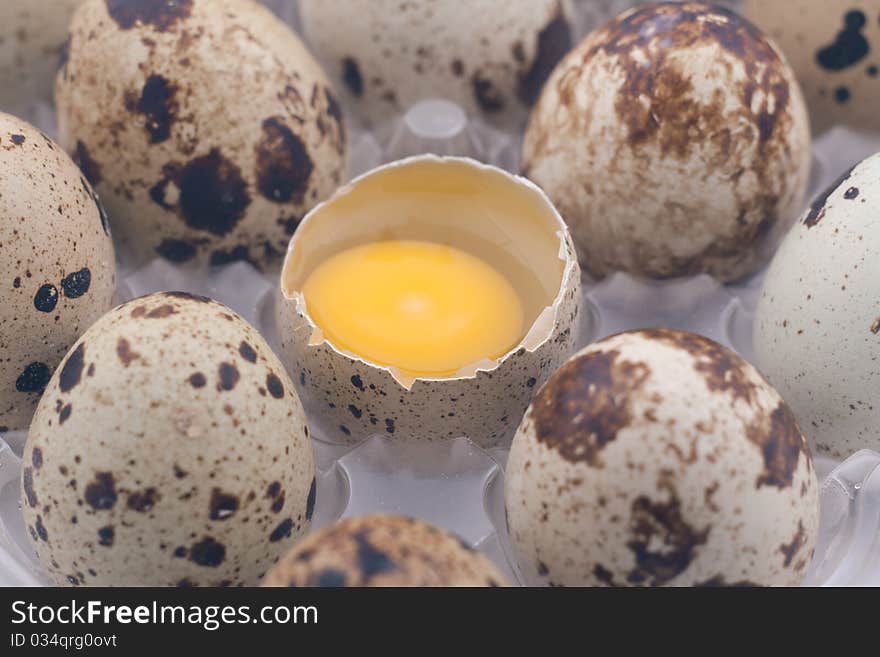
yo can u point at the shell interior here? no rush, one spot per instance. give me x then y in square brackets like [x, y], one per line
[503, 219]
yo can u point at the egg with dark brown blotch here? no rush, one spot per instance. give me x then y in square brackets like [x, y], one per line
[205, 125]
[32, 38]
[832, 47]
[170, 449]
[674, 141]
[383, 550]
[57, 267]
[491, 57]
[660, 458]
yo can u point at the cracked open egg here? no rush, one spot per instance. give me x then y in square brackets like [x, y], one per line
[32, 36]
[383, 550]
[57, 267]
[489, 56]
[817, 323]
[674, 141]
[659, 457]
[428, 299]
[169, 449]
[833, 48]
[205, 125]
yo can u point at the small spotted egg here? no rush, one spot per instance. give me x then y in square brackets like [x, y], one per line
[659, 457]
[383, 550]
[490, 56]
[674, 141]
[817, 324]
[832, 47]
[205, 125]
[32, 36]
[169, 449]
[57, 268]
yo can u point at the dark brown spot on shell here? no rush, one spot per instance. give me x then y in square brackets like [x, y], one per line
[158, 106]
[46, 298]
[310, 501]
[719, 580]
[585, 403]
[176, 250]
[371, 560]
[34, 378]
[486, 94]
[820, 203]
[283, 163]
[247, 352]
[125, 353]
[791, 549]
[77, 283]
[27, 483]
[143, 501]
[229, 376]
[781, 444]
[101, 493]
[71, 373]
[662, 542]
[223, 505]
[37, 457]
[106, 535]
[274, 386]
[41, 529]
[197, 380]
[208, 553]
[283, 530]
[161, 15]
[161, 312]
[351, 75]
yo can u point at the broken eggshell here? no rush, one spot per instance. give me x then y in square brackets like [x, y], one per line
[205, 125]
[505, 220]
[659, 457]
[674, 141]
[832, 47]
[489, 56]
[169, 449]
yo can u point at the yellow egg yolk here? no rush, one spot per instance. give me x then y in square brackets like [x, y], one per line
[426, 309]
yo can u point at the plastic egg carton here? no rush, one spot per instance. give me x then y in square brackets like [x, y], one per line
[456, 484]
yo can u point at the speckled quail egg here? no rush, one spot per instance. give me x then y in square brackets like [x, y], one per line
[383, 550]
[205, 125]
[170, 448]
[832, 47]
[57, 269]
[32, 33]
[659, 457]
[674, 141]
[486, 212]
[491, 57]
[817, 324]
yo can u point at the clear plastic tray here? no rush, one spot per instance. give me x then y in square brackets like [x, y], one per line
[457, 484]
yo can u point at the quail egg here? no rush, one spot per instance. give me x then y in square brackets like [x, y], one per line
[832, 47]
[490, 56]
[57, 270]
[481, 210]
[659, 457]
[32, 35]
[170, 448]
[674, 141]
[817, 324]
[205, 125]
[383, 550]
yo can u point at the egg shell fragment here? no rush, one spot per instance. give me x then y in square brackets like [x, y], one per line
[205, 125]
[466, 204]
[32, 37]
[57, 267]
[170, 449]
[383, 550]
[674, 141]
[659, 457]
[817, 323]
[832, 47]
[490, 56]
